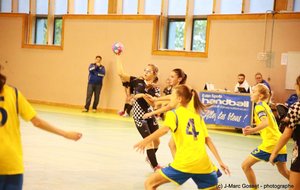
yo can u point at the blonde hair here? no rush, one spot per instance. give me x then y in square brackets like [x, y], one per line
[263, 90]
[155, 72]
[154, 68]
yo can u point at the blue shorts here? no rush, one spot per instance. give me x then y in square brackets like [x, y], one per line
[11, 182]
[203, 181]
[262, 155]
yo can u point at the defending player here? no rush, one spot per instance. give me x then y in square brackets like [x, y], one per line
[190, 135]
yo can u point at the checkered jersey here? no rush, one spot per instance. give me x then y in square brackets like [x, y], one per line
[140, 106]
[294, 115]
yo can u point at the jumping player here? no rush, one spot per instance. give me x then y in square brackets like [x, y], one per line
[141, 87]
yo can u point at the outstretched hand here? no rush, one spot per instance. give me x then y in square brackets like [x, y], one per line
[247, 130]
[225, 168]
[140, 146]
[73, 135]
[272, 158]
[146, 115]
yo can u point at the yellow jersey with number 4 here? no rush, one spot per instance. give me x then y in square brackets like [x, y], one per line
[189, 133]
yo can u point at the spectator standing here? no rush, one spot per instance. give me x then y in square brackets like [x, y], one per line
[96, 75]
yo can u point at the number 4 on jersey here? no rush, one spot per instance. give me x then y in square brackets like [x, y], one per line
[191, 130]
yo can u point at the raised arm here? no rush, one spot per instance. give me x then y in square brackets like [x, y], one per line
[124, 77]
[48, 127]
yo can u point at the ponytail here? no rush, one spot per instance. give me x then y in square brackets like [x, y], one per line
[183, 79]
[198, 105]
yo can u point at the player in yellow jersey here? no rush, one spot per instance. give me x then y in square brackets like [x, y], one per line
[267, 127]
[190, 136]
[12, 105]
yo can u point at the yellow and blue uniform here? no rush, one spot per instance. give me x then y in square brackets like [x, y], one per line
[191, 159]
[270, 135]
[12, 104]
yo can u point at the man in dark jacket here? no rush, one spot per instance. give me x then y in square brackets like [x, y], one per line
[96, 75]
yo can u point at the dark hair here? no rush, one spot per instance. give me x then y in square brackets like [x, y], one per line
[2, 81]
[242, 75]
[186, 93]
[98, 56]
[298, 81]
[180, 74]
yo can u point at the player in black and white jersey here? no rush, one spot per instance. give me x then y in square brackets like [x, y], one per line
[292, 129]
[141, 87]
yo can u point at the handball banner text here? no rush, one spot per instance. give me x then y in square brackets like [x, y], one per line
[234, 110]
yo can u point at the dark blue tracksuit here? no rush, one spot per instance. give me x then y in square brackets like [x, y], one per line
[96, 74]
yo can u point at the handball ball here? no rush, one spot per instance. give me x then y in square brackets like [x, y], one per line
[117, 48]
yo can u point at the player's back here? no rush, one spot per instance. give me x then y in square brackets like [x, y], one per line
[189, 137]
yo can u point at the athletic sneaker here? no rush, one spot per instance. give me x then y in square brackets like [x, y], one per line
[85, 110]
[121, 112]
[94, 110]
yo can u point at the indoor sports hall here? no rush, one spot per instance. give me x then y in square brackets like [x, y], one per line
[49, 49]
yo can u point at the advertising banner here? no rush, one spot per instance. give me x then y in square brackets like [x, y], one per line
[234, 110]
